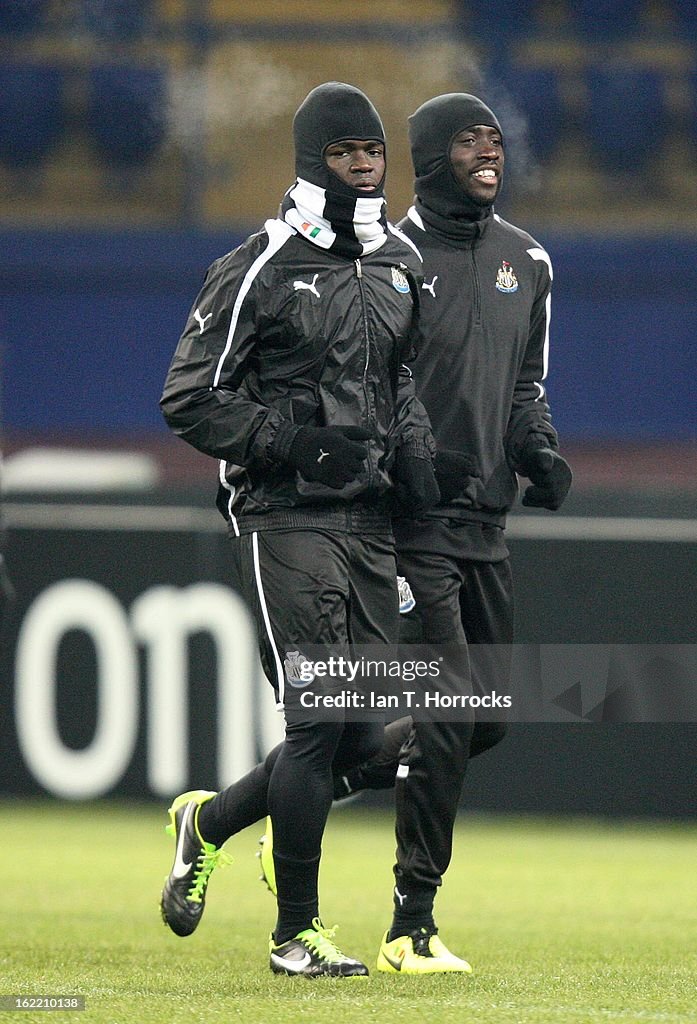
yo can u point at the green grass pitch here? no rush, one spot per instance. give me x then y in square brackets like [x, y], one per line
[564, 922]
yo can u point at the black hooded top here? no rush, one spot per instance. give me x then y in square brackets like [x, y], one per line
[485, 315]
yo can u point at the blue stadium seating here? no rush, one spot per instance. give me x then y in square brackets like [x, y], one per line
[127, 112]
[498, 18]
[535, 92]
[692, 113]
[112, 20]
[626, 107]
[21, 17]
[32, 112]
[686, 19]
[599, 21]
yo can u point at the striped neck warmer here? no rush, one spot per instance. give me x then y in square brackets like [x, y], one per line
[346, 225]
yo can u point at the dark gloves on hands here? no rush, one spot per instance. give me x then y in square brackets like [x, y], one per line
[415, 483]
[329, 455]
[551, 479]
[452, 468]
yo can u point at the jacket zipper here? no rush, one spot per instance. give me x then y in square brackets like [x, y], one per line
[477, 290]
[364, 315]
[366, 337]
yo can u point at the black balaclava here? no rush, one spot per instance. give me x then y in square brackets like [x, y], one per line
[340, 218]
[330, 113]
[432, 129]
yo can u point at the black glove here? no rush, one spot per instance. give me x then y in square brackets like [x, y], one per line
[452, 468]
[415, 483]
[330, 455]
[551, 479]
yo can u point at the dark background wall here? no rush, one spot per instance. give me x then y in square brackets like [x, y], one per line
[90, 321]
[120, 662]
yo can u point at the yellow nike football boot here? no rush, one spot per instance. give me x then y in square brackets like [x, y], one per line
[419, 952]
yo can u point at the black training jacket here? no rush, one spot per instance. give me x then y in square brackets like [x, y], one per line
[284, 334]
[482, 354]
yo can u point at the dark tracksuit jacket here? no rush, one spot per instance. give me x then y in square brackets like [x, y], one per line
[482, 357]
[282, 335]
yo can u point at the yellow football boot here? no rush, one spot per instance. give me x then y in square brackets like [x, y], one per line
[420, 952]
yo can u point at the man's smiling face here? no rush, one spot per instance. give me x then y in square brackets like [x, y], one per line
[476, 157]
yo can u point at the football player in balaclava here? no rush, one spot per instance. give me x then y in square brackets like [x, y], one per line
[290, 373]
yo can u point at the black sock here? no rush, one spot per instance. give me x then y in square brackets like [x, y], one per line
[413, 909]
[298, 904]
[241, 804]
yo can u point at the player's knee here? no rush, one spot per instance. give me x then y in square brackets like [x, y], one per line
[314, 742]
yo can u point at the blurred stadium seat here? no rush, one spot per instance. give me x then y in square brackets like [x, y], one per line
[691, 105]
[127, 112]
[625, 103]
[535, 91]
[124, 20]
[32, 112]
[20, 17]
[686, 19]
[598, 21]
[502, 19]
[497, 30]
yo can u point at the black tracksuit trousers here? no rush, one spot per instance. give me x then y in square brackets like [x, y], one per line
[331, 586]
[457, 601]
